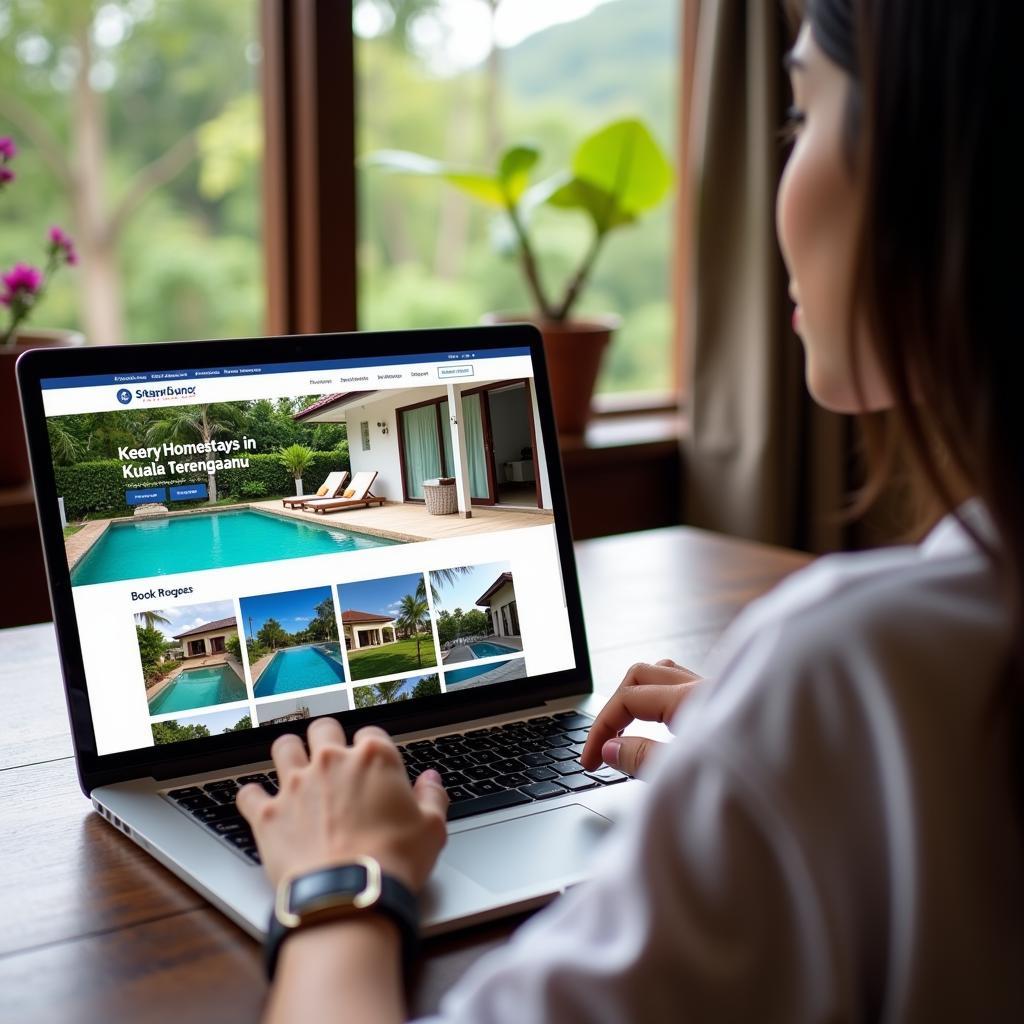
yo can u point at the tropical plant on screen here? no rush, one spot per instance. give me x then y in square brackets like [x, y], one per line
[617, 174]
[414, 616]
[23, 286]
[295, 458]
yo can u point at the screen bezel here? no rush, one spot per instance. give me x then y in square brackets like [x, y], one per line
[216, 752]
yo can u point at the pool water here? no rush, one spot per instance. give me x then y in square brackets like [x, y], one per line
[455, 677]
[301, 668]
[485, 649]
[198, 688]
[209, 540]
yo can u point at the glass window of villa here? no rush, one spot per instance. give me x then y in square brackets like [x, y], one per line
[364, 433]
[139, 132]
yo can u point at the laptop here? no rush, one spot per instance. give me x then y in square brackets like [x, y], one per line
[243, 536]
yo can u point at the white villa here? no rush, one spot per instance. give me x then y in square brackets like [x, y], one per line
[486, 436]
[208, 637]
[499, 601]
[367, 629]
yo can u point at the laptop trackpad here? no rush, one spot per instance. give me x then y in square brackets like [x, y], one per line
[544, 847]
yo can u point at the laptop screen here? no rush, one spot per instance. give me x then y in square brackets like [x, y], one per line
[256, 545]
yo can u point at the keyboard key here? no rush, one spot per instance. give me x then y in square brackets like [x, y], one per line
[473, 733]
[535, 760]
[534, 745]
[195, 803]
[224, 796]
[577, 782]
[273, 776]
[239, 839]
[253, 854]
[215, 813]
[420, 744]
[567, 767]
[259, 777]
[484, 756]
[542, 790]
[449, 779]
[457, 763]
[608, 776]
[512, 781]
[480, 743]
[540, 774]
[508, 765]
[230, 827]
[541, 720]
[561, 754]
[220, 784]
[484, 788]
[483, 804]
[457, 793]
[187, 791]
[559, 740]
[578, 736]
[573, 719]
[481, 771]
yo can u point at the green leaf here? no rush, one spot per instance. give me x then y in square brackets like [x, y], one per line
[514, 170]
[625, 161]
[476, 183]
[602, 206]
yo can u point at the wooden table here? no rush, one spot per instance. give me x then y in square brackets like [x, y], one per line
[94, 930]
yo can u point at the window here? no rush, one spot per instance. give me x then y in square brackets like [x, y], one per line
[364, 434]
[138, 125]
[458, 80]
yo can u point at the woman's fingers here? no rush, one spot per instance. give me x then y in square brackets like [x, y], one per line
[323, 732]
[649, 703]
[289, 755]
[628, 753]
[250, 799]
[430, 794]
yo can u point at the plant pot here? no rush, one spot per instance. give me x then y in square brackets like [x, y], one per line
[14, 467]
[574, 350]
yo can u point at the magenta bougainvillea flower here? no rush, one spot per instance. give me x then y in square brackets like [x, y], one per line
[6, 175]
[62, 246]
[8, 150]
[21, 284]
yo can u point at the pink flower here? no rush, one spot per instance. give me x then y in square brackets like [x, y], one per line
[8, 150]
[6, 175]
[61, 244]
[22, 282]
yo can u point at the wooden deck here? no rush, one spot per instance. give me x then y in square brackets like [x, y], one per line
[412, 522]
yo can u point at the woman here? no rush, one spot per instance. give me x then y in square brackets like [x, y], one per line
[834, 834]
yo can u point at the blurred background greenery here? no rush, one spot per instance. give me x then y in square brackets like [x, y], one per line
[139, 126]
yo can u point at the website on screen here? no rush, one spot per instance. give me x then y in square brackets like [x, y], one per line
[263, 544]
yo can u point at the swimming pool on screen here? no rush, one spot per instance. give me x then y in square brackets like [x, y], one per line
[198, 688]
[210, 540]
[301, 668]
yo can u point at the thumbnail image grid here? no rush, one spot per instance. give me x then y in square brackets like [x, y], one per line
[198, 727]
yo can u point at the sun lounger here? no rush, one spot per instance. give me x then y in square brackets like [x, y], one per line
[335, 484]
[360, 497]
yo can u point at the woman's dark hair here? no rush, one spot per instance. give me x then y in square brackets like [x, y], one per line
[933, 112]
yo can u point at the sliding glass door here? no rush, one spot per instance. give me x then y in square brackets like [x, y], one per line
[421, 450]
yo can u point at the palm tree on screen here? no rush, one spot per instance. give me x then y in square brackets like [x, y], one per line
[151, 619]
[414, 615]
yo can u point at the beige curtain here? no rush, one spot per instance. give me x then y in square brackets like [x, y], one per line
[761, 460]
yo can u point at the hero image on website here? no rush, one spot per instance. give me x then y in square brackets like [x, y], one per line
[258, 550]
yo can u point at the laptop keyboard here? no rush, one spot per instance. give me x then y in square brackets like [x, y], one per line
[482, 770]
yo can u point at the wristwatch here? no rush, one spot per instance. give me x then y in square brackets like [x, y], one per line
[336, 893]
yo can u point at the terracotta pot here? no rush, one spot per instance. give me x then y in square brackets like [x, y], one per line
[574, 350]
[14, 468]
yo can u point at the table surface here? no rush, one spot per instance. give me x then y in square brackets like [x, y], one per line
[95, 930]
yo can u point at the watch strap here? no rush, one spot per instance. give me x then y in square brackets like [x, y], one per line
[332, 894]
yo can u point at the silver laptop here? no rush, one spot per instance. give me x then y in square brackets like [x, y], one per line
[242, 536]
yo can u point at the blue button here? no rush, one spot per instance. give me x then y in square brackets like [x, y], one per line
[145, 497]
[189, 492]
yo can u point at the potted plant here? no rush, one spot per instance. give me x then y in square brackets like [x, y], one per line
[295, 458]
[22, 288]
[617, 174]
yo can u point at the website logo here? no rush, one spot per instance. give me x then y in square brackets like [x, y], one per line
[124, 396]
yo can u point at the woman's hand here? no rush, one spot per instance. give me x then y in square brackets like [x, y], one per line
[343, 802]
[650, 693]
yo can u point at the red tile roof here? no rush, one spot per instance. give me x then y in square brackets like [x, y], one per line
[353, 615]
[505, 577]
[327, 400]
[207, 627]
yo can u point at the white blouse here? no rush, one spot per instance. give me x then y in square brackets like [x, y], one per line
[832, 836]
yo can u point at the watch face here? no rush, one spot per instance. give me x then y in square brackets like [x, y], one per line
[328, 892]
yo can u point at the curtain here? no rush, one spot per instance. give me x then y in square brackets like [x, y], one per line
[473, 427]
[762, 461]
[446, 434]
[420, 449]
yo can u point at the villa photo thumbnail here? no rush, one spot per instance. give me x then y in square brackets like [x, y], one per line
[298, 709]
[291, 641]
[477, 613]
[233, 483]
[389, 691]
[484, 674]
[190, 656]
[387, 626]
[198, 727]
